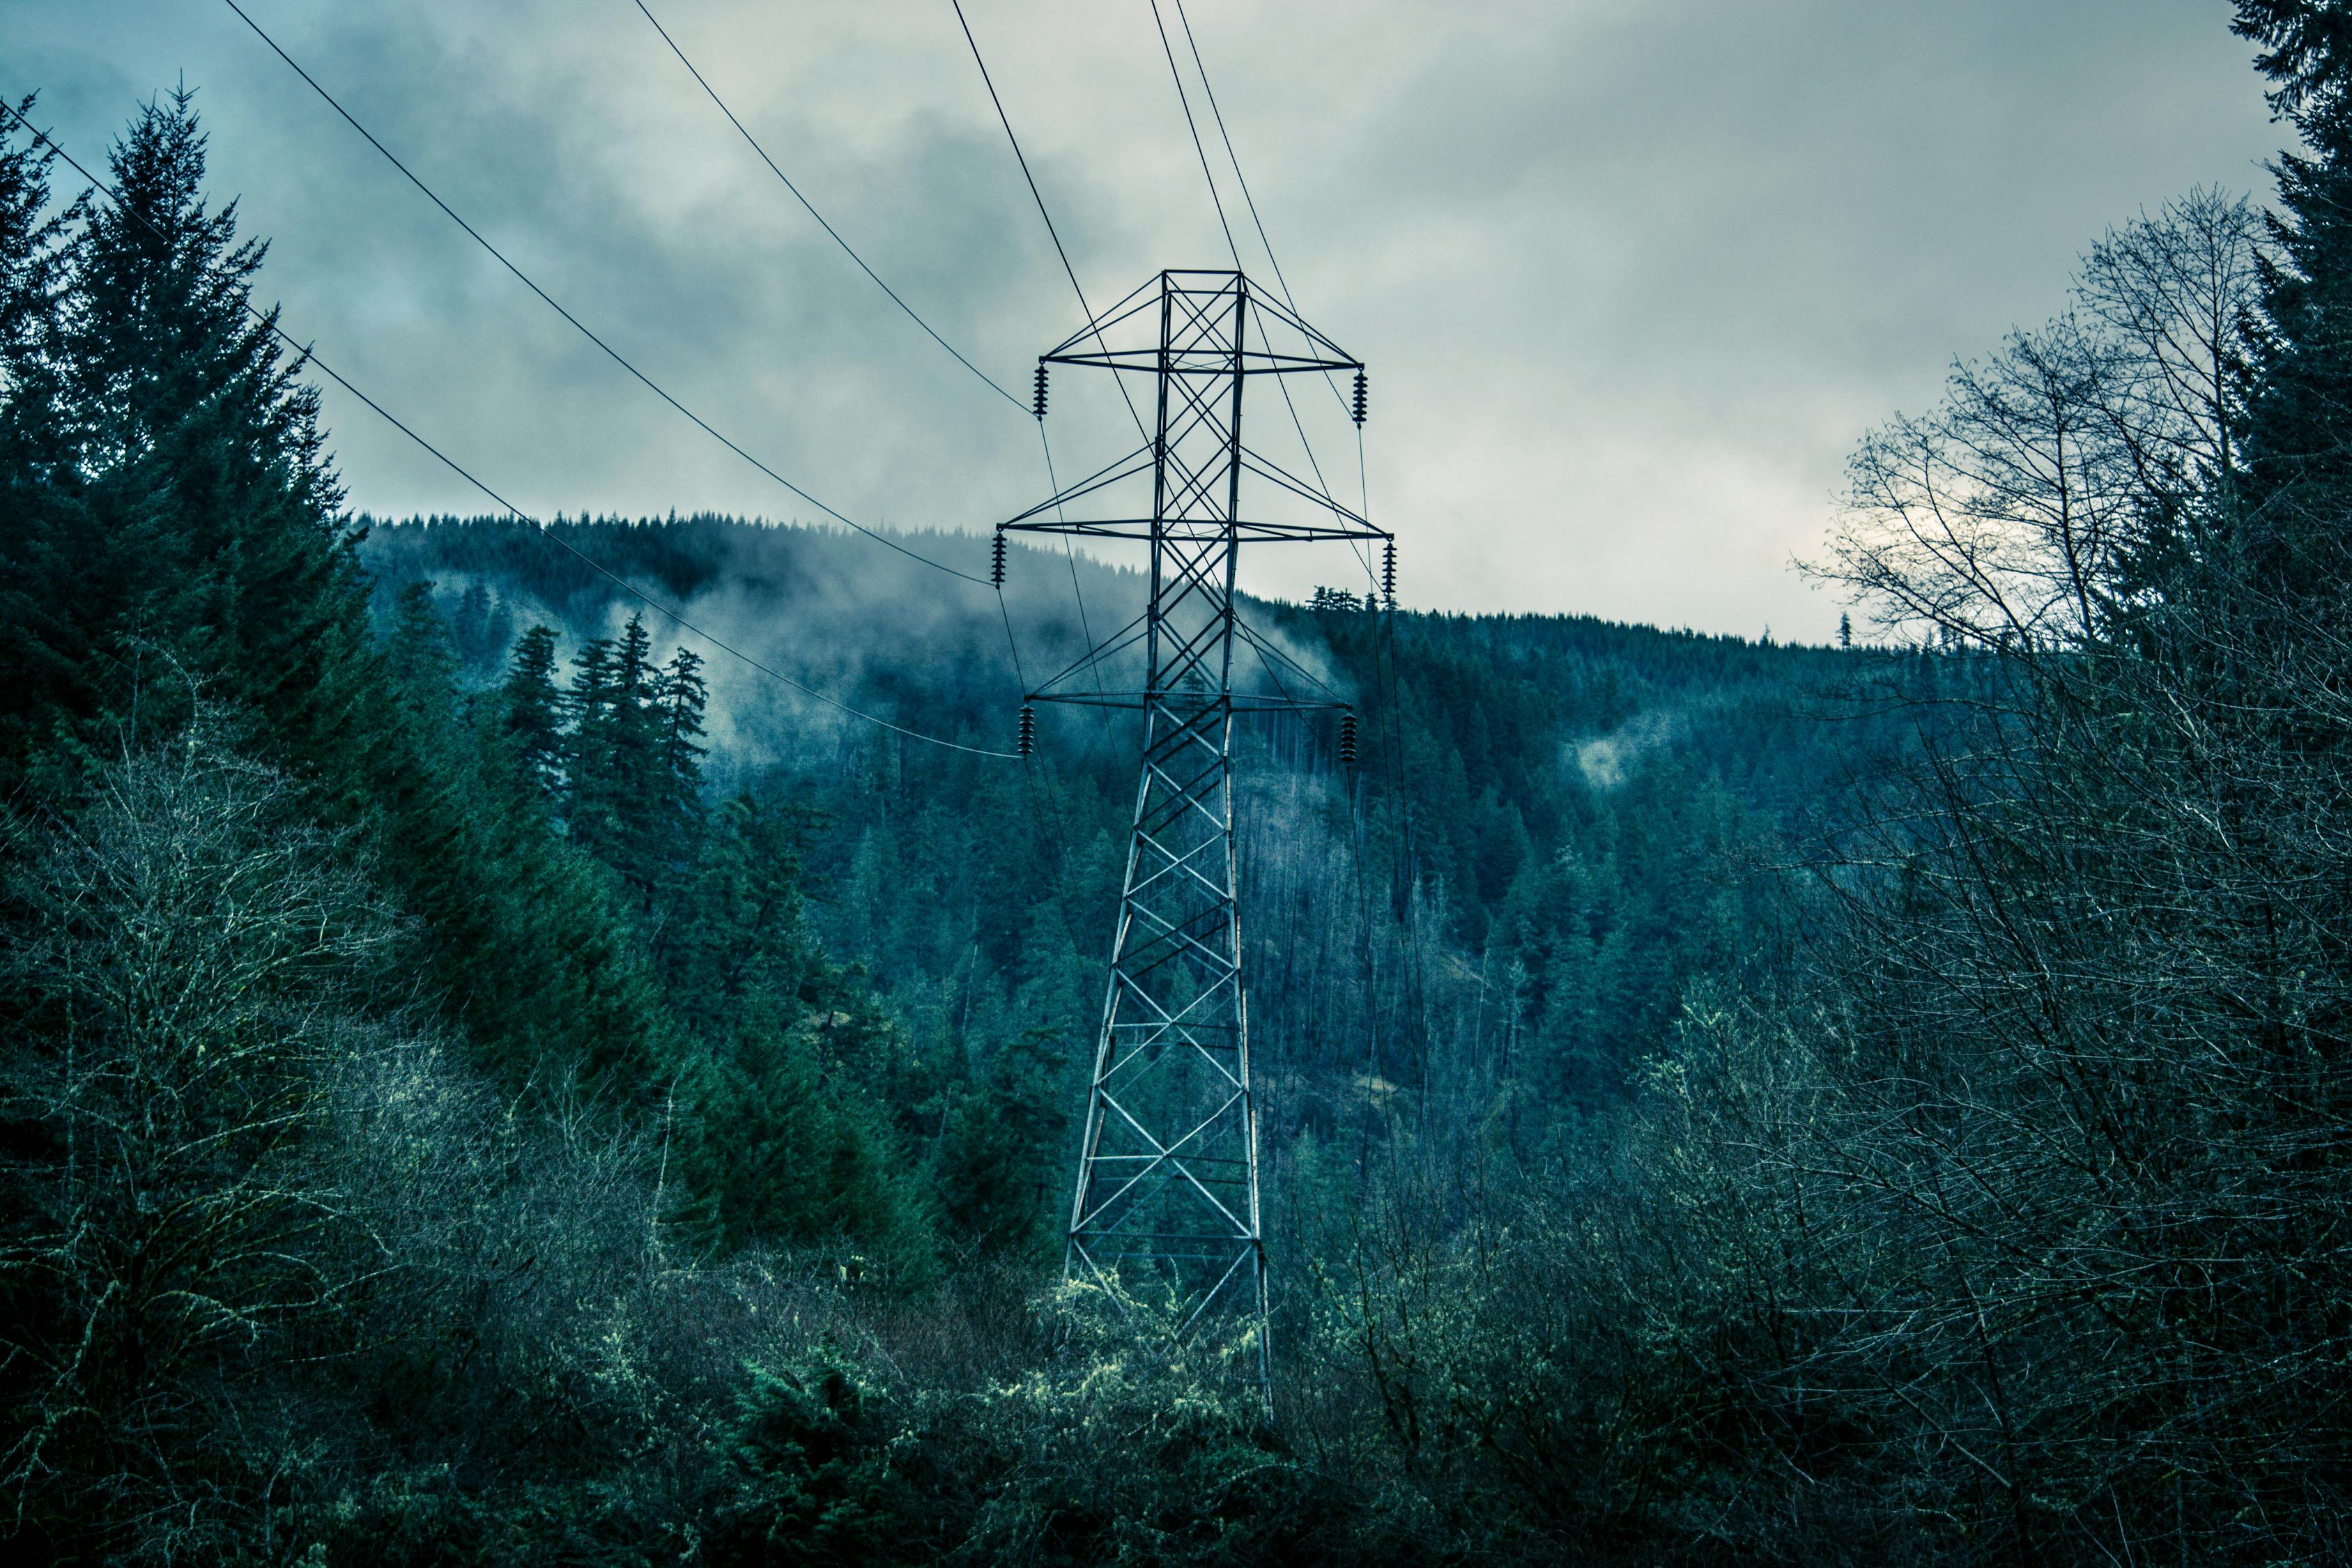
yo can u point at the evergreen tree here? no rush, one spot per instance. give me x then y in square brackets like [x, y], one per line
[420, 655]
[38, 641]
[679, 698]
[174, 527]
[1001, 1162]
[635, 760]
[777, 1141]
[532, 709]
[481, 629]
[30, 251]
[2299, 445]
[587, 765]
[185, 510]
[743, 926]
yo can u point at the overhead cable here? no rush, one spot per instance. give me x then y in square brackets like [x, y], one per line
[1034, 193]
[1384, 639]
[306, 355]
[1038, 197]
[1234, 158]
[1086, 628]
[849, 251]
[701, 81]
[610, 351]
[1266, 242]
[1184, 99]
[1193, 126]
[1231, 156]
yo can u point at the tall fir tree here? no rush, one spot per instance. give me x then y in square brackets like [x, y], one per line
[37, 641]
[174, 528]
[2297, 530]
[531, 709]
[635, 760]
[679, 700]
[186, 514]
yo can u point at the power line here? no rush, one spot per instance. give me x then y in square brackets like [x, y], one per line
[1085, 310]
[610, 351]
[1199, 149]
[1004, 612]
[1385, 636]
[1086, 627]
[1071, 272]
[1011, 646]
[1035, 194]
[1193, 126]
[305, 355]
[1226, 136]
[1252, 203]
[1216, 200]
[1234, 157]
[1176, 75]
[701, 81]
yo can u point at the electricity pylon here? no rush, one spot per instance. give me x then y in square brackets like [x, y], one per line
[1167, 1190]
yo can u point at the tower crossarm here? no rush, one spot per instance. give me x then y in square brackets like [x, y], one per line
[1166, 1201]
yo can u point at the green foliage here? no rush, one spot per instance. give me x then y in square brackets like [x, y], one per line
[173, 518]
[822, 1477]
[453, 1110]
[175, 530]
[530, 710]
[519, 928]
[998, 1173]
[633, 764]
[777, 1146]
[182, 965]
[1131, 1447]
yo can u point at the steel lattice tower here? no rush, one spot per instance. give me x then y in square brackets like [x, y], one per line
[1167, 1189]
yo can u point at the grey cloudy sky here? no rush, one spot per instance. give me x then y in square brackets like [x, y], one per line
[1630, 277]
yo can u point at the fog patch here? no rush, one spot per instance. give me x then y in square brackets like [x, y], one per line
[1606, 762]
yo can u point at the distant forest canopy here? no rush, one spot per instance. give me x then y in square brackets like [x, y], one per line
[1583, 796]
[486, 1077]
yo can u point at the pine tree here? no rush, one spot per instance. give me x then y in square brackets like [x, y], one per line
[2299, 445]
[679, 698]
[531, 709]
[173, 525]
[1000, 1161]
[587, 706]
[30, 242]
[187, 514]
[38, 637]
[625, 800]
[419, 652]
[742, 925]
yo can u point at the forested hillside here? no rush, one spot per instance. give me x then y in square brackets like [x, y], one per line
[1562, 826]
[496, 1070]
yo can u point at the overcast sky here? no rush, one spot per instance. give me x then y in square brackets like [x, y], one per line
[1631, 275]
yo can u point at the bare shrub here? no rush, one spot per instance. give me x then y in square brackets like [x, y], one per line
[182, 958]
[2091, 975]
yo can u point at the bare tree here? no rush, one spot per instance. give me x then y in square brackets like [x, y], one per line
[2081, 1186]
[2012, 515]
[182, 956]
[2018, 1228]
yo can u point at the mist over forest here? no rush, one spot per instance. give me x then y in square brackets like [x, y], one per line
[572, 1042]
[1657, 766]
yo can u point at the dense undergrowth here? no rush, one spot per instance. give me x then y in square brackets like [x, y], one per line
[481, 1085]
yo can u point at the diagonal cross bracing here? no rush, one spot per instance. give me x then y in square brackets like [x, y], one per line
[1167, 1193]
[1168, 1180]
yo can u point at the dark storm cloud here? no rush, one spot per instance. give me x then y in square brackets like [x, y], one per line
[1631, 276]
